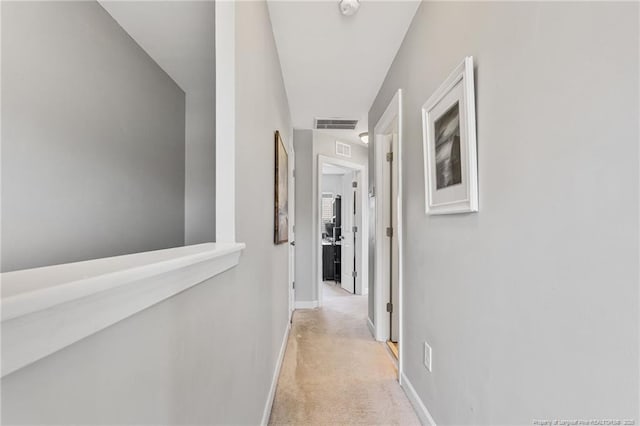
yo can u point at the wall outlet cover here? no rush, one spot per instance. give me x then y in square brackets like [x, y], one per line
[427, 356]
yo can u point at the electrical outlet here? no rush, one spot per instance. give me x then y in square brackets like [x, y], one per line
[427, 356]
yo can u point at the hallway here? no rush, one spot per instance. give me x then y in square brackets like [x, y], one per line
[178, 178]
[334, 372]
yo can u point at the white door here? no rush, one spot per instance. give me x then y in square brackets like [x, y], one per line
[357, 229]
[395, 267]
[347, 246]
[358, 220]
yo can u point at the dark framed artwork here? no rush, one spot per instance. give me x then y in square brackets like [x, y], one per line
[281, 217]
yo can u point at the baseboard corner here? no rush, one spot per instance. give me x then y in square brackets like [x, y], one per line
[421, 410]
[372, 328]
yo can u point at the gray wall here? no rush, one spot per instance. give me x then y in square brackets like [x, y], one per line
[309, 144]
[92, 139]
[530, 305]
[325, 144]
[303, 145]
[200, 148]
[200, 168]
[207, 355]
[332, 183]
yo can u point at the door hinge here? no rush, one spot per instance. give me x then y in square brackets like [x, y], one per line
[389, 232]
[389, 156]
[354, 229]
[293, 284]
[354, 274]
[354, 184]
[390, 307]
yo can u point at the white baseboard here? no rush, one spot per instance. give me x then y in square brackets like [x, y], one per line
[303, 304]
[274, 381]
[416, 402]
[372, 328]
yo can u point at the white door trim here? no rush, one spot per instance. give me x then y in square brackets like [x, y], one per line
[292, 222]
[225, 122]
[363, 238]
[381, 290]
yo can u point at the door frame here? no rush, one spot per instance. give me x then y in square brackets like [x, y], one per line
[292, 224]
[381, 289]
[364, 233]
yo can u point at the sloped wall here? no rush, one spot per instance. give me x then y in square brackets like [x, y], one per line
[93, 133]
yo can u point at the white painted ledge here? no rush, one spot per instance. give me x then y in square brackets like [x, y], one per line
[47, 309]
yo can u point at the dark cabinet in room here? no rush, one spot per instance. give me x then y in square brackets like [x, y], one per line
[331, 270]
[327, 262]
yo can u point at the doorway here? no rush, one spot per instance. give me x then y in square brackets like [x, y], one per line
[342, 232]
[387, 193]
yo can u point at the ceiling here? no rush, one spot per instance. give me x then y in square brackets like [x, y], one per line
[334, 65]
[178, 35]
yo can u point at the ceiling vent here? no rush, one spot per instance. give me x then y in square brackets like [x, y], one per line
[335, 124]
[343, 149]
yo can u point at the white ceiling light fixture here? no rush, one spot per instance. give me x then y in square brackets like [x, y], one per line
[349, 7]
[364, 137]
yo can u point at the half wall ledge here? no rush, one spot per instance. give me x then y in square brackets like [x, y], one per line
[46, 309]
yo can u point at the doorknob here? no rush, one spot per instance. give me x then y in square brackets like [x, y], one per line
[293, 243]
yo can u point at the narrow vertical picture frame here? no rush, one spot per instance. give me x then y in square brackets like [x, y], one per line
[281, 184]
[449, 143]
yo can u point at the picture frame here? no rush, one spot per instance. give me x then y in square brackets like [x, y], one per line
[281, 192]
[449, 144]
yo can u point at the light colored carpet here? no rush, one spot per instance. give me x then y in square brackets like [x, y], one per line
[334, 372]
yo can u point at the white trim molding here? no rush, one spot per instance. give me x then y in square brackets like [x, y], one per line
[274, 380]
[421, 410]
[391, 121]
[46, 309]
[225, 121]
[306, 304]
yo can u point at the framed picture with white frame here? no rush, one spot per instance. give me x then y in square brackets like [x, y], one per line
[449, 143]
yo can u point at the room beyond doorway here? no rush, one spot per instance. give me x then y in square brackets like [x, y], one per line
[342, 224]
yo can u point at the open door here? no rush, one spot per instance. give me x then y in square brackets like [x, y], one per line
[354, 221]
[348, 236]
[388, 281]
[394, 279]
[359, 242]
